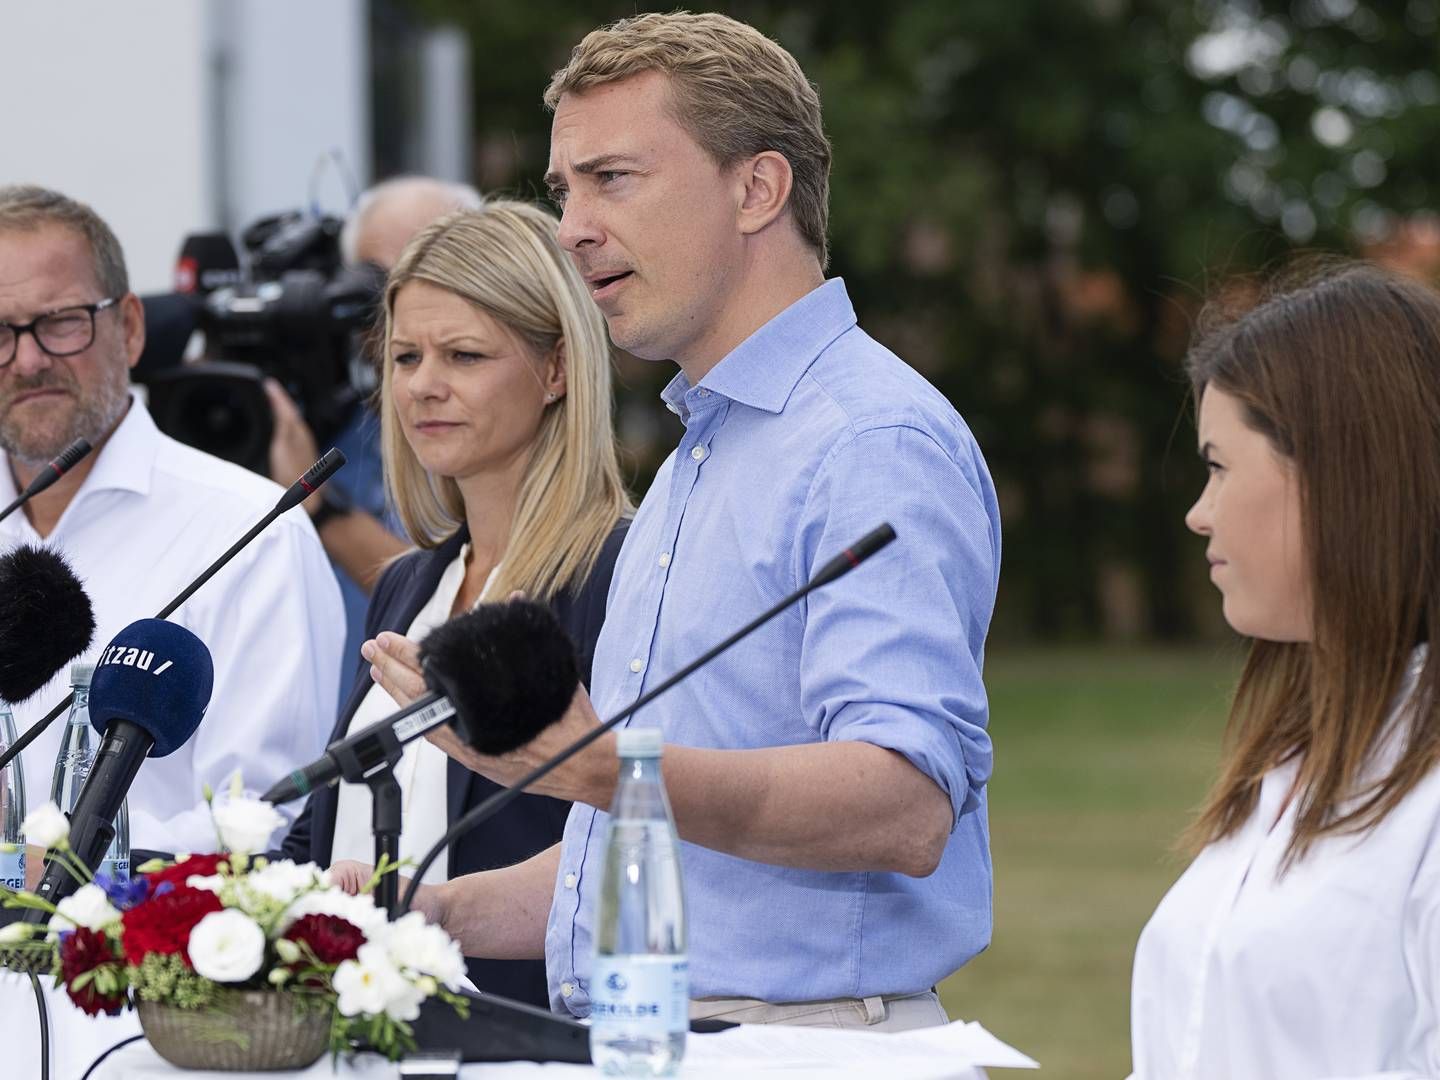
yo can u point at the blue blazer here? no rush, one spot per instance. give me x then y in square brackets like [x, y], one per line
[525, 827]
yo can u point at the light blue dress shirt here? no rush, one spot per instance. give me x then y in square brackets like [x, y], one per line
[800, 441]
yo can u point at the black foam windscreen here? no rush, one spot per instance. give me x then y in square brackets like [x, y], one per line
[157, 675]
[46, 619]
[509, 669]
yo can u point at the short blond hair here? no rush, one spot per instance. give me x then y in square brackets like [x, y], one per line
[26, 207]
[504, 259]
[734, 90]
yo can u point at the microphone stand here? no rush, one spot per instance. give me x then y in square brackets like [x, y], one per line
[385, 815]
[843, 563]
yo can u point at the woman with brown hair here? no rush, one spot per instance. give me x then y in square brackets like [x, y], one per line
[1304, 939]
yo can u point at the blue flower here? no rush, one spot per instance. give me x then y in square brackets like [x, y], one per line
[124, 894]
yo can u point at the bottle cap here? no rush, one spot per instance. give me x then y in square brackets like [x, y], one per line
[639, 742]
[80, 674]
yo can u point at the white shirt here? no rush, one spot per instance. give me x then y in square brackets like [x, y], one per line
[150, 516]
[423, 770]
[1331, 971]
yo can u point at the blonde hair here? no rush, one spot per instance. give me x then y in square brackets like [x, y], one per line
[504, 259]
[735, 91]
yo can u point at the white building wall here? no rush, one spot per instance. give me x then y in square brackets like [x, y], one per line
[172, 117]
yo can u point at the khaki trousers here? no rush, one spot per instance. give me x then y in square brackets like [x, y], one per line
[887, 1012]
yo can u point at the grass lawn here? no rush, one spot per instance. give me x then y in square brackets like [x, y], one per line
[1100, 756]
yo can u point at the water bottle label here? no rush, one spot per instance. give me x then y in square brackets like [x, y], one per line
[117, 870]
[12, 869]
[650, 992]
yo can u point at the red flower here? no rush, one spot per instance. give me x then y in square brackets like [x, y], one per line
[85, 950]
[163, 923]
[181, 872]
[330, 937]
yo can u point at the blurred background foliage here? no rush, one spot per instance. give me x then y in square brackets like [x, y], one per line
[1030, 200]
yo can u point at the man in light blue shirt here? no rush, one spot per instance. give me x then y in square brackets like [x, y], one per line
[828, 774]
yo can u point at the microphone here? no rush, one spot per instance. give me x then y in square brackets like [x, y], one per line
[840, 565]
[148, 694]
[57, 467]
[314, 477]
[46, 619]
[498, 674]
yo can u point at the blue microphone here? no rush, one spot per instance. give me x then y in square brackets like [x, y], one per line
[149, 692]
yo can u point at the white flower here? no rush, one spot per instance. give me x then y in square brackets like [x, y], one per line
[88, 907]
[227, 946]
[46, 826]
[285, 880]
[15, 933]
[370, 984]
[206, 882]
[360, 911]
[417, 946]
[246, 824]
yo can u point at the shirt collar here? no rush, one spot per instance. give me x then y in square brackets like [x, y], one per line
[763, 370]
[125, 461]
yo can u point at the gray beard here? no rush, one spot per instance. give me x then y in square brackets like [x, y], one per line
[95, 416]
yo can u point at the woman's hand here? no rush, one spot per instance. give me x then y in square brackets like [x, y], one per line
[395, 665]
[351, 876]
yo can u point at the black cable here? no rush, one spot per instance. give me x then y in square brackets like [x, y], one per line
[96, 1063]
[44, 1008]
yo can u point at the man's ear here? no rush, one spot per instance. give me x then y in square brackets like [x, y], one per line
[765, 181]
[132, 327]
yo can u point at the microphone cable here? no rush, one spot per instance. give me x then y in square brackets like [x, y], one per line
[43, 1007]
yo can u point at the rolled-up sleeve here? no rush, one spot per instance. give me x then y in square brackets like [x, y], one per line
[892, 652]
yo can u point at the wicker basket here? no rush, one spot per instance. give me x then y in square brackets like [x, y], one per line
[243, 1031]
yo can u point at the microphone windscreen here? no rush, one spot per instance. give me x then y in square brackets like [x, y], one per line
[157, 675]
[509, 670]
[45, 619]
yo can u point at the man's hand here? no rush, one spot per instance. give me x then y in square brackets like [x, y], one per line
[395, 665]
[292, 446]
[353, 876]
[588, 777]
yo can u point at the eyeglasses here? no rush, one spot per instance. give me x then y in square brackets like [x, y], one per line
[64, 332]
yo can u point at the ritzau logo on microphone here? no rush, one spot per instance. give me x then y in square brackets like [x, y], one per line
[128, 657]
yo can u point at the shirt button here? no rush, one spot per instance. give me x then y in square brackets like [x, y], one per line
[704, 393]
[569, 881]
[698, 453]
[566, 989]
[664, 559]
[637, 665]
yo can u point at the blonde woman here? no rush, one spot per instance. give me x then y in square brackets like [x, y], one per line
[500, 460]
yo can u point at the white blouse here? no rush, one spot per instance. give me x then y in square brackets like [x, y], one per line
[1331, 971]
[422, 770]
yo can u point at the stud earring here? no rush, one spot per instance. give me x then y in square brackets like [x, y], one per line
[549, 397]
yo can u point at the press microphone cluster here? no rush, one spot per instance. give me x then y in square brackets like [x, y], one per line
[53, 470]
[296, 493]
[499, 675]
[147, 697]
[46, 619]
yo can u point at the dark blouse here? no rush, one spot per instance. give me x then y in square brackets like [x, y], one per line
[529, 824]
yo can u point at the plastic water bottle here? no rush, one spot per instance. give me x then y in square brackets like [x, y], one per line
[640, 980]
[12, 808]
[77, 756]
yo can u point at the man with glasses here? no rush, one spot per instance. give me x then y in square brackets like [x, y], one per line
[142, 515]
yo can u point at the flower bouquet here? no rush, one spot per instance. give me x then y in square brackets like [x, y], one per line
[234, 961]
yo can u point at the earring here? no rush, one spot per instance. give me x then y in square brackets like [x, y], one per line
[549, 397]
